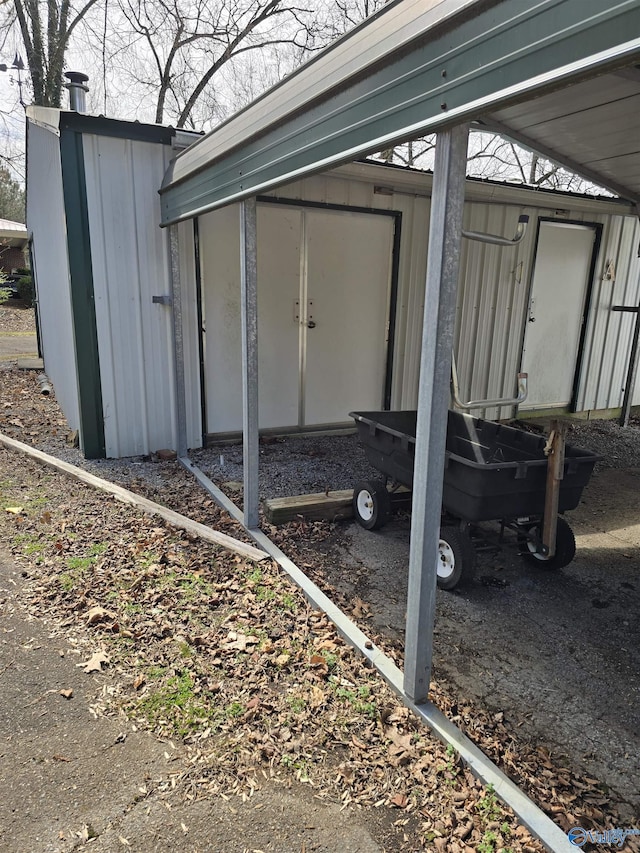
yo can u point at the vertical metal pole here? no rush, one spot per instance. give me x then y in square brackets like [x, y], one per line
[249, 299]
[178, 344]
[632, 373]
[447, 202]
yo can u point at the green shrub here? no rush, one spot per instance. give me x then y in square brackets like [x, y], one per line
[26, 290]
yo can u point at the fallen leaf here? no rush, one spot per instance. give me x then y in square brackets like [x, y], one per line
[15, 510]
[98, 614]
[399, 801]
[94, 664]
[66, 693]
[360, 609]
[138, 681]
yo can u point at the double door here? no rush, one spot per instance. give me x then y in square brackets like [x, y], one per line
[324, 288]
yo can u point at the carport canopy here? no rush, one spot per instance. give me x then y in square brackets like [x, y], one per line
[559, 76]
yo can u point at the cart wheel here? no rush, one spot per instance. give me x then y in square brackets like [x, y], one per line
[371, 504]
[456, 558]
[565, 547]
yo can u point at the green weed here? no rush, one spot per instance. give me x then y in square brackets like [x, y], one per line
[176, 705]
[289, 602]
[255, 576]
[488, 806]
[265, 593]
[297, 704]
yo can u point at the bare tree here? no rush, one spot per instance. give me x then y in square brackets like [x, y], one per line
[495, 158]
[181, 46]
[46, 27]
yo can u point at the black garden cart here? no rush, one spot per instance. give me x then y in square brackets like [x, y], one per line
[493, 472]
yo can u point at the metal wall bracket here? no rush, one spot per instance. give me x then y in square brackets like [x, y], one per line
[485, 404]
[165, 299]
[495, 239]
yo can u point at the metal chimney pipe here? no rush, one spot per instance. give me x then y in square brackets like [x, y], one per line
[77, 89]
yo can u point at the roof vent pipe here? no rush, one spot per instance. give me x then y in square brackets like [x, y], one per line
[77, 89]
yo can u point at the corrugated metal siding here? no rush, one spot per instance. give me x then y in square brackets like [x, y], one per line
[493, 293]
[46, 221]
[609, 333]
[130, 257]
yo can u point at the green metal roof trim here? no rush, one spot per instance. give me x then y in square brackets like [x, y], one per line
[459, 61]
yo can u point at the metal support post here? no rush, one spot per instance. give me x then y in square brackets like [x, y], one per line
[249, 299]
[632, 372]
[447, 202]
[178, 347]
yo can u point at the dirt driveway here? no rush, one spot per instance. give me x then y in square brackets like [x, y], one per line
[557, 652]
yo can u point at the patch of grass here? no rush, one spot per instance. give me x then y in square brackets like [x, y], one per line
[357, 700]
[235, 709]
[297, 704]
[80, 564]
[193, 587]
[154, 671]
[77, 567]
[255, 576]
[185, 650]
[331, 660]
[98, 549]
[265, 593]
[68, 581]
[29, 543]
[38, 502]
[147, 558]
[488, 806]
[488, 842]
[176, 706]
[289, 602]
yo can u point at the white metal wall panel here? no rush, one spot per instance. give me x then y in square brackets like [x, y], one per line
[609, 333]
[46, 222]
[494, 282]
[130, 259]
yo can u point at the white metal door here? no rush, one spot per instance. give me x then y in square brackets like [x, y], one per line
[278, 335]
[323, 296]
[348, 274]
[556, 310]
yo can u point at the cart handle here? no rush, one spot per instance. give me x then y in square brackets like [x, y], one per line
[484, 404]
[496, 240]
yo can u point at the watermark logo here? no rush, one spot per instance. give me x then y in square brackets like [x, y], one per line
[613, 837]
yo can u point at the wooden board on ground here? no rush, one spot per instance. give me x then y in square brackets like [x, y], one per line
[326, 506]
[30, 364]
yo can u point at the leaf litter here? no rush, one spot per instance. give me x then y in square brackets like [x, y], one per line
[231, 660]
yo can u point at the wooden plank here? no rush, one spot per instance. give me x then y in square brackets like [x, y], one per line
[326, 506]
[124, 495]
[555, 473]
[30, 364]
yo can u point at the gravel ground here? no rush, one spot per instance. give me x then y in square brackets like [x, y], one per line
[618, 446]
[292, 466]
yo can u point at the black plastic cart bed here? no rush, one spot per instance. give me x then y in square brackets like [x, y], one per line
[492, 472]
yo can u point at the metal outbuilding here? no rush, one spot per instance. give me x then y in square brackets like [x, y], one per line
[102, 273]
[561, 76]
